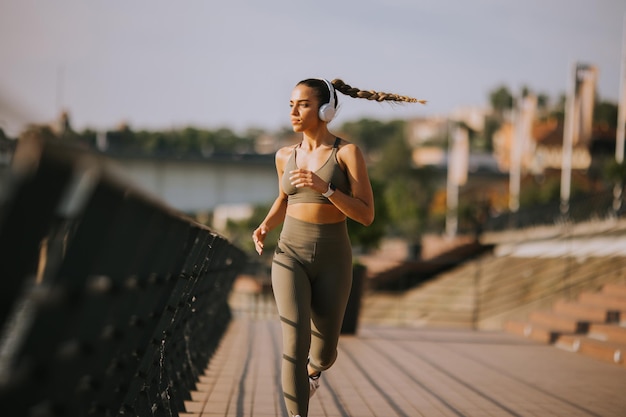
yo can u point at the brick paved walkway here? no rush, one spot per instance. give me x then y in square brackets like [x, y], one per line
[408, 372]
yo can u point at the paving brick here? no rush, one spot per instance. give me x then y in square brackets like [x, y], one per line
[591, 313]
[599, 349]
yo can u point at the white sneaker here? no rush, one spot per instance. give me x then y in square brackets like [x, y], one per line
[314, 384]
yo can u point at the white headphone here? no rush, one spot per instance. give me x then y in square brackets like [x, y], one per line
[327, 111]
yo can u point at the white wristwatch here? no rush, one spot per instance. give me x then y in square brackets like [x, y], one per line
[330, 191]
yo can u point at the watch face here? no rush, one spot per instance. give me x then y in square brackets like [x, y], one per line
[332, 186]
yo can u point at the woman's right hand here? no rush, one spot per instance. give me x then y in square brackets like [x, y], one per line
[258, 236]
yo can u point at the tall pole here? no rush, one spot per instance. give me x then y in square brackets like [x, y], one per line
[522, 136]
[458, 156]
[452, 212]
[621, 125]
[569, 131]
[515, 158]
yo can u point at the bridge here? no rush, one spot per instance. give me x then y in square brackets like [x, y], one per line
[114, 303]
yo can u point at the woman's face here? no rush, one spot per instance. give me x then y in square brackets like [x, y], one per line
[304, 108]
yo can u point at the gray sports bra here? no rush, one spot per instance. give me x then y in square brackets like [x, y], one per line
[329, 172]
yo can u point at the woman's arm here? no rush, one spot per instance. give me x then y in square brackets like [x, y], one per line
[276, 214]
[360, 205]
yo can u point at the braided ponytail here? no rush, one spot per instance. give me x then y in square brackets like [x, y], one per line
[348, 90]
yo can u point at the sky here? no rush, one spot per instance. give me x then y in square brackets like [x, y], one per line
[157, 64]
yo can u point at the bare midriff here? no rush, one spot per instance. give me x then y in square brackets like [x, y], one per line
[315, 213]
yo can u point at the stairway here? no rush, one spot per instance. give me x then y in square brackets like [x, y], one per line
[594, 324]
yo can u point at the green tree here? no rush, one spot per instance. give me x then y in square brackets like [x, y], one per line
[543, 101]
[605, 114]
[406, 212]
[372, 135]
[367, 238]
[501, 100]
[394, 155]
[404, 190]
[615, 171]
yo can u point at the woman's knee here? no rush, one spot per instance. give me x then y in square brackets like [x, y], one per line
[323, 361]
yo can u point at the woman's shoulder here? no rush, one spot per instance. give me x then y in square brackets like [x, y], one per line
[283, 154]
[348, 152]
[345, 146]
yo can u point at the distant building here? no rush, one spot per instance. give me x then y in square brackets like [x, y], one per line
[427, 130]
[545, 151]
[471, 116]
[548, 137]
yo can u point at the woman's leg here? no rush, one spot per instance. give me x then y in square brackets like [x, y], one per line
[292, 291]
[330, 290]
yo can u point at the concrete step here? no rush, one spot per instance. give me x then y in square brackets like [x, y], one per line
[600, 299]
[608, 332]
[558, 322]
[531, 331]
[604, 351]
[617, 290]
[588, 312]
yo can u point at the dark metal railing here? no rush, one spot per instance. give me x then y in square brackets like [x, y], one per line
[582, 208]
[111, 303]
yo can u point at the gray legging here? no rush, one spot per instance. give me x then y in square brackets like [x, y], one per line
[311, 279]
